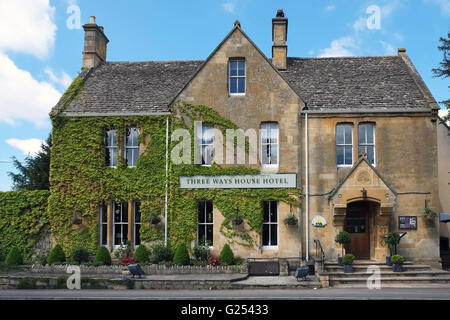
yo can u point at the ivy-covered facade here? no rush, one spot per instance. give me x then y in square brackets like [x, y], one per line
[135, 144]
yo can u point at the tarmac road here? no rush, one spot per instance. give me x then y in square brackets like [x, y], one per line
[242, 295]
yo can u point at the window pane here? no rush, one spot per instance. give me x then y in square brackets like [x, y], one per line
[339, 134]
[124, 233]
[209, 234]
[265, 235]
[340, 154]
[201, 212]
[233, 68]
[266, 211]
[208, 135]
[201, 234]
[370, 155]
[273, 154]
[370, 133]
[124, 211]
[265, 154]
[362, 134]
[135, 156]
[241, 85]
[274, 133]
[137, 211]
[264, 133]
[137, 234]
[104, 235]
[273, 211]
[348, 134]
[233, 85]
[117, 235]
[241, 68]
[348, 155]
[273, 235]
[131, 137]
[209, 212]
[116, 210]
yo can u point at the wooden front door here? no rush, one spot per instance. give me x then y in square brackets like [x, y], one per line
[357, 224]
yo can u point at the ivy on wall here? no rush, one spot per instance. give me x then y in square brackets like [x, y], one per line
[80, 181]
[23, 220]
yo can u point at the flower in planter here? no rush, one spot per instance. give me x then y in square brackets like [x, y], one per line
[291, 220]
[214, 261]
[127, 261]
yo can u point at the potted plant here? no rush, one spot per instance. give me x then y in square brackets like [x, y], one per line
[397, 262]
[392, 239]
[291, 220]
[430, 214]
[348, 261]
[342, 238]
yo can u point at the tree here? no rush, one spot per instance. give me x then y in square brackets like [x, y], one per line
[443, 71]
[34, 173]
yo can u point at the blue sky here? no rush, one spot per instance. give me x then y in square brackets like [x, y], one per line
[41, 44]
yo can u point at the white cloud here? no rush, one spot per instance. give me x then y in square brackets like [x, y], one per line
[27, 26]
[339, 48]
[330, 7]
[29, 147]
[388, 48]
[443, 4]
[229, 7]
[22, 97]
[64, 80]
[360, 24]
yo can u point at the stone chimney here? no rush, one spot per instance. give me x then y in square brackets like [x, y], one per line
[95, 43]
[279, 37]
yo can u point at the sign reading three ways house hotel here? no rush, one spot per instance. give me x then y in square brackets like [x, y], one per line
[262, 181]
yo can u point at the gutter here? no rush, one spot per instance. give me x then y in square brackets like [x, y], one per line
[305, 109]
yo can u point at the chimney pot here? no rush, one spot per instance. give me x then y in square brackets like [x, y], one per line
[401, 50]
[280, 13]
[92, 20]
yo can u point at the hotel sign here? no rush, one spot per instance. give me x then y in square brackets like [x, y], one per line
[261, 181]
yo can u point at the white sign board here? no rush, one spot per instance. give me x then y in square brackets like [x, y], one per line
[261, 181]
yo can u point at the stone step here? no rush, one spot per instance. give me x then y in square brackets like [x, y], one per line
[383, 267]
[388, 274]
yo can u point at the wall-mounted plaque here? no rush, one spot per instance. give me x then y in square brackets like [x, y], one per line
[319, 222]
[407, 223]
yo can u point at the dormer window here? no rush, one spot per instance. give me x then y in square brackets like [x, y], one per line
[236, 71]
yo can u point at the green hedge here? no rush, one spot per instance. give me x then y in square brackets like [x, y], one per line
[23, 220]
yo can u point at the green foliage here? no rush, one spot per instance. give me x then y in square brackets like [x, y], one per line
[102, 257]
[226, 255]
[181, 256]
[141, 254]
[201, 252]
[348, 258]
[393, 239]
[26, 283]
[80, 181]
[429, 213]
[397, 259]
[343, 238]
[34, 173]
[79, 255]
[14, 257]
[124, 251]
[161, 253]
[24, 220]
[291, 220]
[56, 255]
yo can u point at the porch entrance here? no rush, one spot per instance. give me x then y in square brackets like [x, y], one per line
[357, 224]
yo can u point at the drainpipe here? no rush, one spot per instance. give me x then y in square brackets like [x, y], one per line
[305, 109]
[167, 182]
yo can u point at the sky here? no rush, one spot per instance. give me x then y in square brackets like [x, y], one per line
[41, 44]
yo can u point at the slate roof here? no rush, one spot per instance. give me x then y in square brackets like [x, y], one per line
[325, 84]
[348, 83]
[132, 87]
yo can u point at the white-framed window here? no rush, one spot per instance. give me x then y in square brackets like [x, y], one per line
[103, 225]
[236, 79]
[120, 218]
[205, 223]
[366, 140]
[131, 146]
[269, 144]
[270, 225]
[344, 144]
[111, 148]
[206, 145]
[137, 223]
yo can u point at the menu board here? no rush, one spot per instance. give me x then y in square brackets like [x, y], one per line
[408, 223]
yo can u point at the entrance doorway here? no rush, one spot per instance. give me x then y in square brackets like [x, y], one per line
[357, 224]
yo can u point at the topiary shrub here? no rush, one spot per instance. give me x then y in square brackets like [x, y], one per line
[181, 256]
[226, 255]
[397, 259]
[14, 257]
[79, 255]
[141, 254]
[348, 259]
[56, 256]
[201, 253]
[393, 239]
[343, 238]
[160, 253]
[102, 257]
